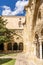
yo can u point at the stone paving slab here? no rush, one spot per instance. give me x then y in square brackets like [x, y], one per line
[22, 60]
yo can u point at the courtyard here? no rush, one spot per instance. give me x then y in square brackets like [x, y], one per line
[7, 61]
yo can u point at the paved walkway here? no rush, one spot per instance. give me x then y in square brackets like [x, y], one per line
[21, 60]
[24, 60]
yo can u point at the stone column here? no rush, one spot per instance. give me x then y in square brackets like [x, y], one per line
[12, 47]
[40, 48]
[40, 51]
[35, 51]
[5, 47]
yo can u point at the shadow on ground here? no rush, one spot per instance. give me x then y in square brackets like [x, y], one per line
[2, 61]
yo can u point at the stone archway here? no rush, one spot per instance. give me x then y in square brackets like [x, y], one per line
[15, 46]
[9, 46]
[39, 40]
[21, 46]
[1, 47]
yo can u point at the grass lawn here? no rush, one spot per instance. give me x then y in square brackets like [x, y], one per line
[7, 61]
[11, 54]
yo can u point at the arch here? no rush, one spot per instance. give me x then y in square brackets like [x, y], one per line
[15, 46]
[9, 46]
[21, 46]
[38, 34]
[38, 28]
[1, 47]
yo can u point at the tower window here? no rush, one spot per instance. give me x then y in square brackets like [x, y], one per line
[19, 22]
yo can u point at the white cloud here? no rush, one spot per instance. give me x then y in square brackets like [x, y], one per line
[6, 10]
[6, 7]
[19, 7]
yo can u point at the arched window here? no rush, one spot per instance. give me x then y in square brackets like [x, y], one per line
[9, 46]
[15, 46]
[21, 46]
[19, 23]
[42, 32]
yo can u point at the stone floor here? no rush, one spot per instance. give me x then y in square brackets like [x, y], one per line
[22, 59]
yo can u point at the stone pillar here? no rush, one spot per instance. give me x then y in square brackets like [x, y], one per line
[5, 47]
[35, 50]
[35, 43]
[40, 48]
[12, 47]
[40, 51]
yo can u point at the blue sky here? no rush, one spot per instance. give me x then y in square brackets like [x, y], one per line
[12, 7]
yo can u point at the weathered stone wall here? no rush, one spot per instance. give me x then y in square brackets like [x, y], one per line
[29, 32]
[13, 21]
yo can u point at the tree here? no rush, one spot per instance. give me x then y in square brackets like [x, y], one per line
[5, 34]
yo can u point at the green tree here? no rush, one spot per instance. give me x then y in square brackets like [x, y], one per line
[5, 34]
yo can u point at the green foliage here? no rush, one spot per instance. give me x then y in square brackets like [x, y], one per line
[5, 34]
[7, 61]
